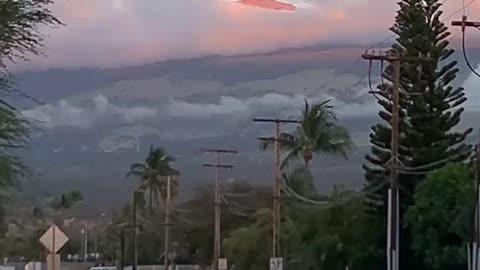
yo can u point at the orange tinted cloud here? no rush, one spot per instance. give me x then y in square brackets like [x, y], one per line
[269, 4]
[119, 32]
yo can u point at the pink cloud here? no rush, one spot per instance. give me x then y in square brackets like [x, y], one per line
[269, 4]
[119, 32]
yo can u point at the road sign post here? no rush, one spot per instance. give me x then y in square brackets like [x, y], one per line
[53, 240]
[276, 263]
[53, 261]
[222, 264]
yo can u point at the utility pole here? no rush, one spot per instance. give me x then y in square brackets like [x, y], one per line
[393, 200]
[95, 240]
[136, 195]
[167, 221]
[276, 213]
[86, 244]
[474, 249]
[474, 253]
[217, 244]
[122, 248]
[394, 163]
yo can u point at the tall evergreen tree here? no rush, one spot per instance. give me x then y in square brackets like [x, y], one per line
[20, 36]
[430, 108]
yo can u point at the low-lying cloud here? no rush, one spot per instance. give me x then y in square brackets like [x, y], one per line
[69, 115]
[228, 111]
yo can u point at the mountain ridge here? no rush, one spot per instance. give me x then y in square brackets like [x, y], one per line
[207, 102]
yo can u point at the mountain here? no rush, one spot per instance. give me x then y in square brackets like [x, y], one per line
[98, 121]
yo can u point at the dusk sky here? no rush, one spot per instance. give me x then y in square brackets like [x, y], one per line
[120, 32]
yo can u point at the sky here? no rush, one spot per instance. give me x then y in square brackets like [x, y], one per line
[128, 32]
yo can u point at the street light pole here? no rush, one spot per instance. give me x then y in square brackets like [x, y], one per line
[95, 243]
[86, 244]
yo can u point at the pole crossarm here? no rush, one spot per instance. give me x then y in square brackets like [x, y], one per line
[272, 139]
[275, 120]
[222, 166]
[206, 150]
[391, 56]
[466, 23]
[380, 56]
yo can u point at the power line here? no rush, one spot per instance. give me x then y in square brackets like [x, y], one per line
[464, 24]
[328, 203]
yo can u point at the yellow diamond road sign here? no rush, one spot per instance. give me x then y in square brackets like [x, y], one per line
[53, 239]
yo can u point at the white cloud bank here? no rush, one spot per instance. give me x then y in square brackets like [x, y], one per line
[67, 114]
[286, 105]
[176, 112]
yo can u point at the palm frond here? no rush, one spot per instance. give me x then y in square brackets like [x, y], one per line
[153, 173]
[318, 132]
[339, 141]
[136, 169]
[290, 155]
[286, 141]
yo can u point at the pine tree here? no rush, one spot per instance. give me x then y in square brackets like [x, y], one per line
[20, 36]
[429, 106]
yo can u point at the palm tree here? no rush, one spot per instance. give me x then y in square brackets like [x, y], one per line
[153, 173]
[318, 132]
[300, 180]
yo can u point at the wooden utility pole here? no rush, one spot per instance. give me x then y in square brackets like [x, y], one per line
[86, 243]
[393, 200]
[393, 229]
[217, 244]
[136, 195]
[122, 248]
[276, 213]
[167, 220]
[474, 250]
[135, 244]
[474, 258]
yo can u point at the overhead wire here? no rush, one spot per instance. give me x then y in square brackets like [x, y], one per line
[239, 195]
[464, 53]
[426, 166]
[370, 63]
[446, 18]
[29, 97]
[406, 170]
[356, 195]
[464, 50]
[299, 197]
[368, 78]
